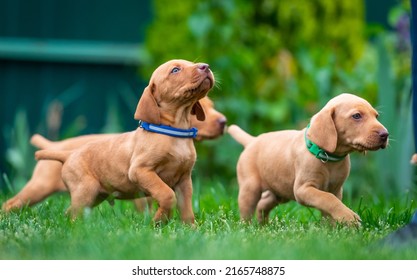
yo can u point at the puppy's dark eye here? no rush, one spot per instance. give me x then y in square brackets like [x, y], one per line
[357, 116]
[175, 70]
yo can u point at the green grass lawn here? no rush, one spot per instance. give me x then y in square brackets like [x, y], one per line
[119, 232]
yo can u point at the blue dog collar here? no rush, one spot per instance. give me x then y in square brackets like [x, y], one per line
[169, 130]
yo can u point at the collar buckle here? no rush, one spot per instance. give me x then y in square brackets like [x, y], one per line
[324, 159]
[318, 152]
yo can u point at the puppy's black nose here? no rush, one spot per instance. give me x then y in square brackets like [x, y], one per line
[203, 67]
[383, 135]
[222, 122]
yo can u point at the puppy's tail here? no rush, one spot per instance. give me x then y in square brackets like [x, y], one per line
[52, 155]
[40, 142]
[240, 135]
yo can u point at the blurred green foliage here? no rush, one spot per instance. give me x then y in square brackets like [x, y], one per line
[278, 62]
[278, 55]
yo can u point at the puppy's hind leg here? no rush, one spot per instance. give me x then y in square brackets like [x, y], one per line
[143, 204]
[249, 195]
[267, 202]
[46, 180]
[84, 194]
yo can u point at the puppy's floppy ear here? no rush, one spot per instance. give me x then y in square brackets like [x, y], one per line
[198, 111]
[323, 131]
[147, 109]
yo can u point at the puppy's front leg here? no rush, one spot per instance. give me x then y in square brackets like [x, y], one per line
[327, 203]
[150, 182]
[184, 191]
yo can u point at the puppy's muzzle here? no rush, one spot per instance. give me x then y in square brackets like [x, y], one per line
[383, 137]
[205, 68]
[222, 124]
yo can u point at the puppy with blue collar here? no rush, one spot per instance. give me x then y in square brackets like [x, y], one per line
[156, 159]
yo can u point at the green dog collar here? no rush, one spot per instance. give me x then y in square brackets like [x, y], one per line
[319, 152]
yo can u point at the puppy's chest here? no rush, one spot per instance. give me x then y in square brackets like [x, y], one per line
[335, 179]
[175, 163]
[179, 159]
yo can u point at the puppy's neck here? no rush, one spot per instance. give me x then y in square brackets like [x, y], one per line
[343, 148]
[340, 151]
[180, 118]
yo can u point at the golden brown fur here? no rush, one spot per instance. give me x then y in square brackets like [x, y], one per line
[159, 166]
[214, 124]
[46, 178]
[276, 167]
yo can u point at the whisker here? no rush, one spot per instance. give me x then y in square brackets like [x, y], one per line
[218, 82]
[218, 85]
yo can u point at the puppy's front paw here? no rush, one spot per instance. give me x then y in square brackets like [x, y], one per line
[11, 204]
[347, 217]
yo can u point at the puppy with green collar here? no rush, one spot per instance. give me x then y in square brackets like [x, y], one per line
[308, 165]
